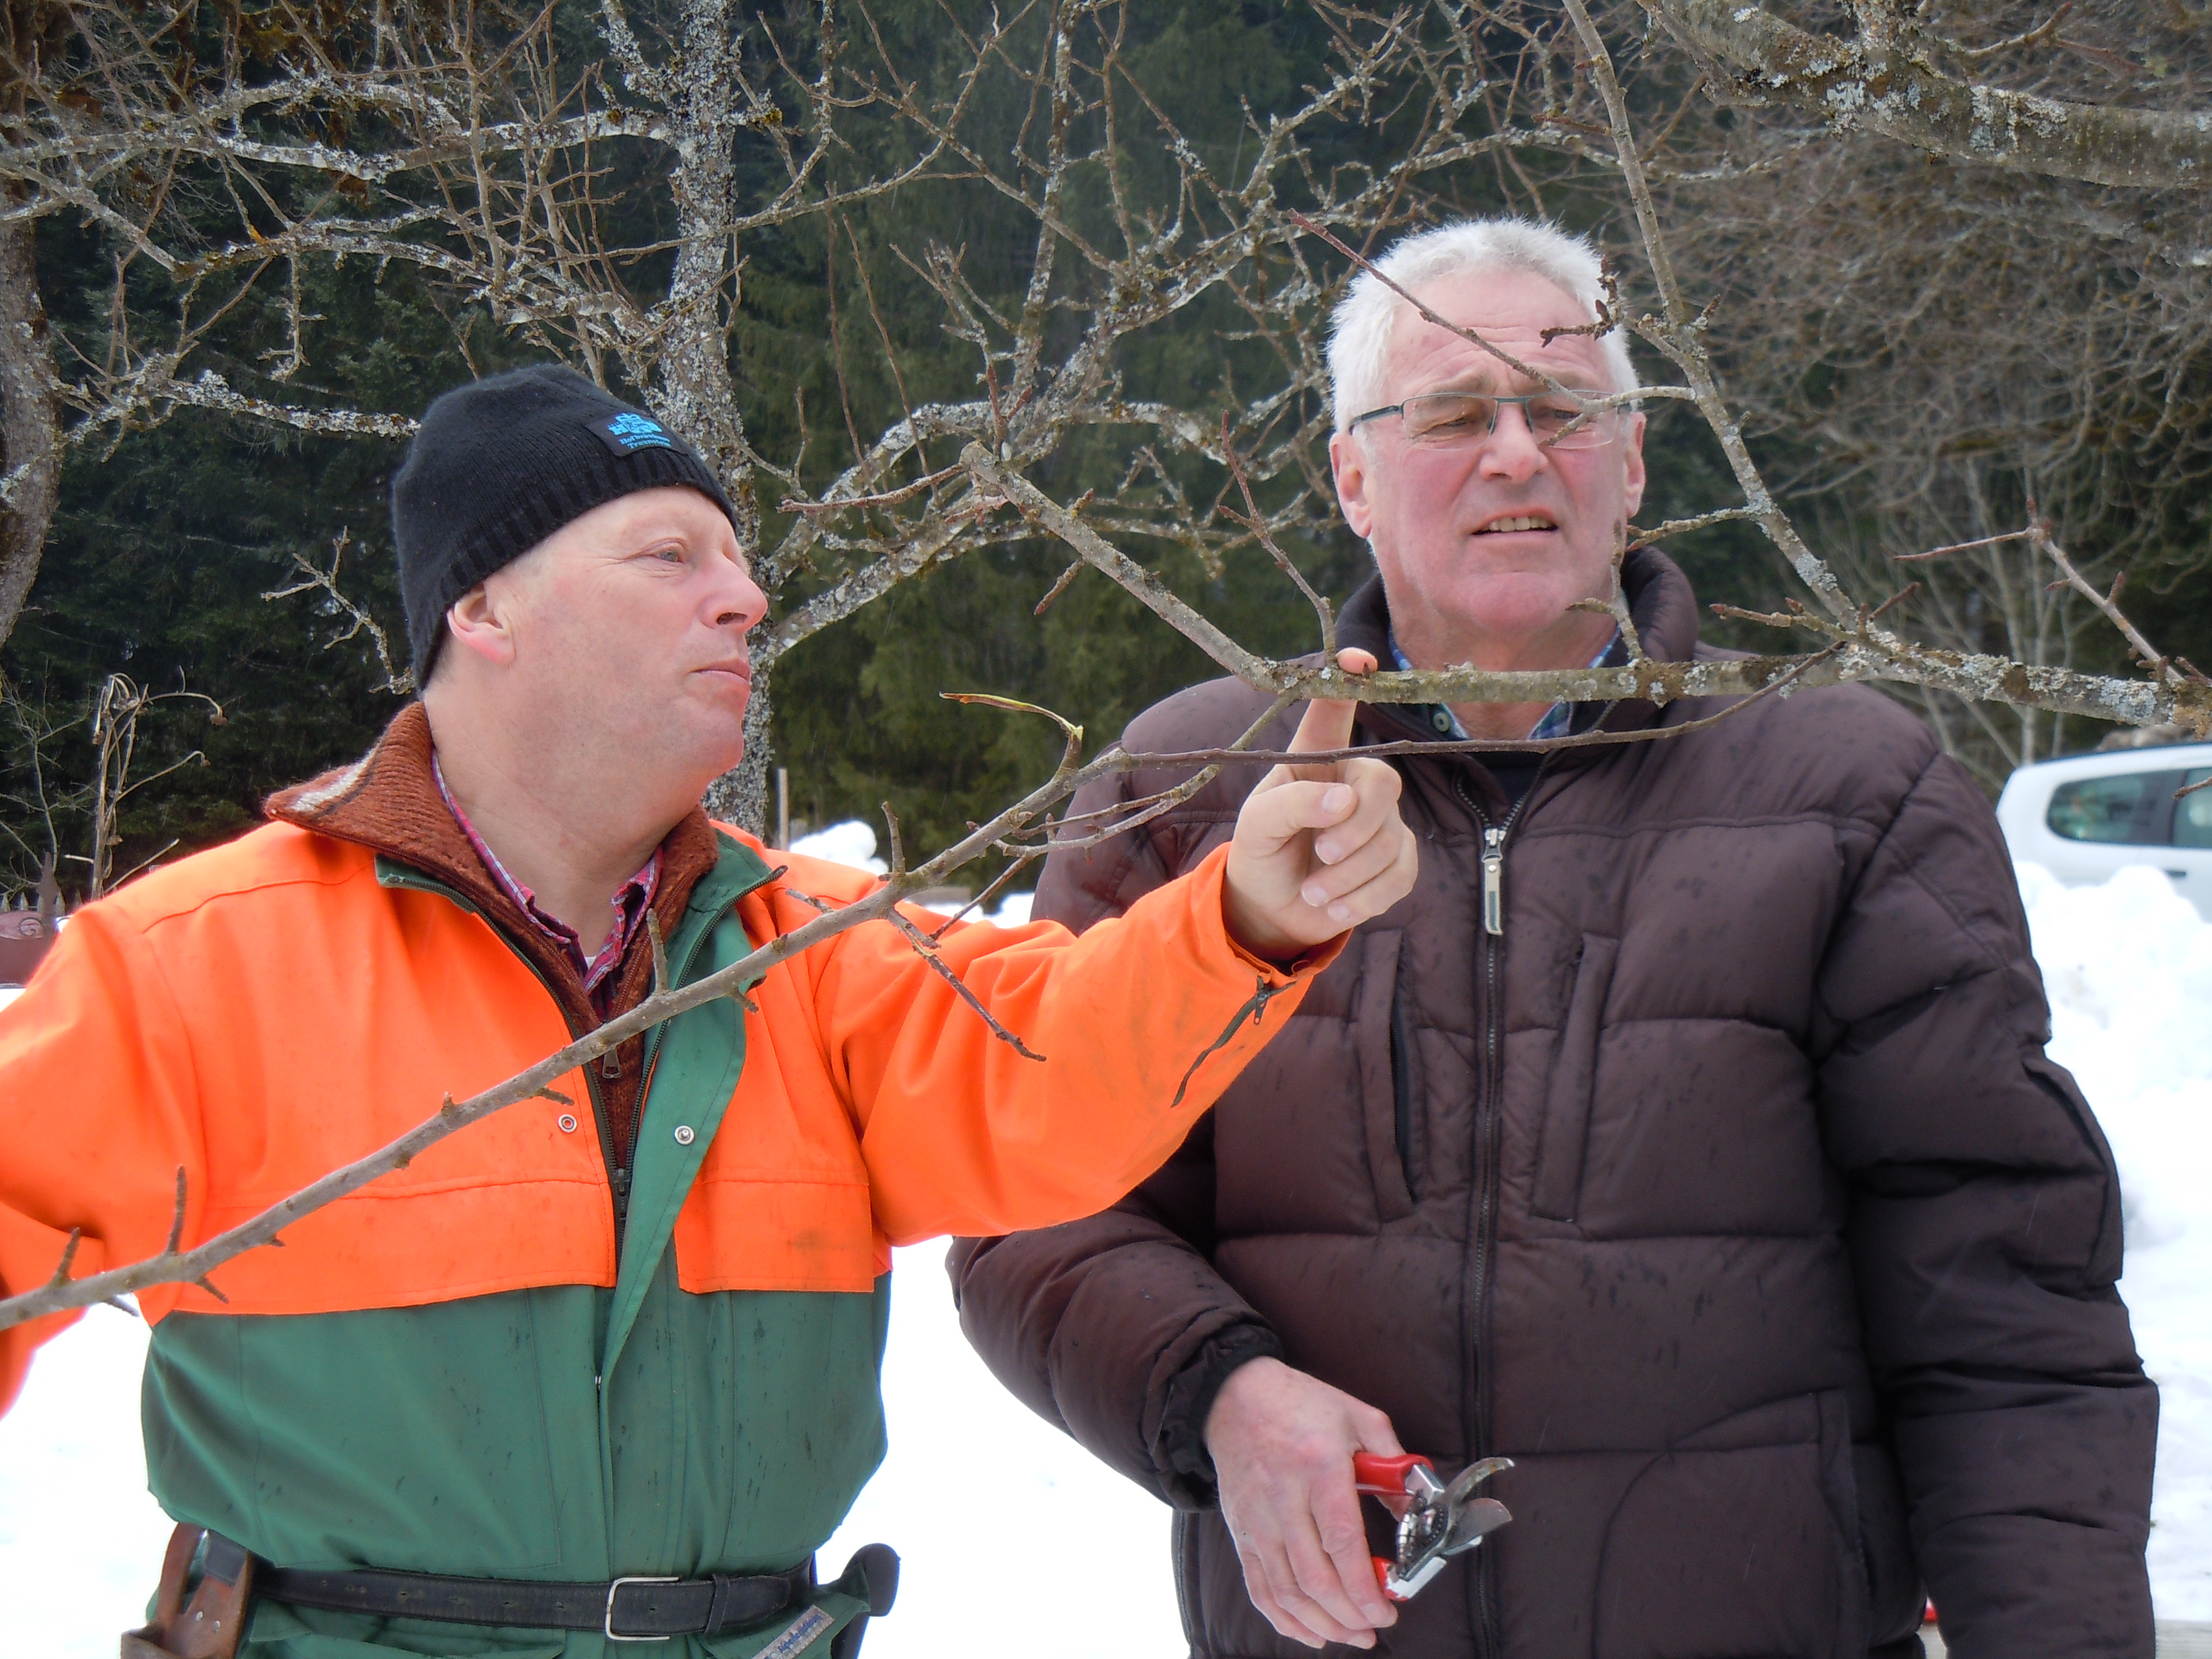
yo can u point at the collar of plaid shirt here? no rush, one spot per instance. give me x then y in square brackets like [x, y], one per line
[630, 904]
[1558, 719]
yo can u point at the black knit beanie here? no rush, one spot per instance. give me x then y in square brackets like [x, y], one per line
[499, 464]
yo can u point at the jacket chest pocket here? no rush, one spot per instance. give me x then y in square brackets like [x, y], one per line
[1564, 1137]
[1389, 1093]
[1307, 1139]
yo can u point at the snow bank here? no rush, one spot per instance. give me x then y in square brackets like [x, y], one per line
[854, 843]
[993, 1563]
[2129, 968]
[1014, 1539]
[850, 843]
[80, 1540]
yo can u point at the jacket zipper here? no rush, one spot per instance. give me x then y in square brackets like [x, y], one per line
[1494, 839]
[1493, 877]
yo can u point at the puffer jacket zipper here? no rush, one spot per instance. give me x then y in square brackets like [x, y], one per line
[1488, 1638]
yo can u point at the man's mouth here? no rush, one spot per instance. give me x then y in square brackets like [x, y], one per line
[1512, 521]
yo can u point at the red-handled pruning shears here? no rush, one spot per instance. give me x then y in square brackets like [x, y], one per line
[1439, 1521]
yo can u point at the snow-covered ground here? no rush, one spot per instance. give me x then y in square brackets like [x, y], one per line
[993, 1562]
[1002, 1523]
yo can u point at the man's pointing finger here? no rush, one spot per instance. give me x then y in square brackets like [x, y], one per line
[1328, 721]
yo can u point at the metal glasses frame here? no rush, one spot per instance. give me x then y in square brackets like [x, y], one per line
[1497, 401]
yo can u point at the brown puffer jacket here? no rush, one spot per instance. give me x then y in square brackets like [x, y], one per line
[1726, 1190]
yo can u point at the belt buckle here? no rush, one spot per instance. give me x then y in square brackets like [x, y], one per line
[615, 1590]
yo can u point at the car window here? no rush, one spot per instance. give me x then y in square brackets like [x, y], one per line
[2131, 808]
[2193, 814]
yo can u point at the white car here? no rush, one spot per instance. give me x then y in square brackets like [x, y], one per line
[2087, 815]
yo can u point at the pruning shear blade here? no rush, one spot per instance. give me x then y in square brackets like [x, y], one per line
[1439, 1521]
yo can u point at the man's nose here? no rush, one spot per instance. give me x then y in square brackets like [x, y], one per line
[740, 602]
[1511, 450]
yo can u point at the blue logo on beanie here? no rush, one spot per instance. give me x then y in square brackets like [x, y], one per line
[627, 432]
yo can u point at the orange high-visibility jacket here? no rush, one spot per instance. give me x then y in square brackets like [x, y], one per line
[260, 1014]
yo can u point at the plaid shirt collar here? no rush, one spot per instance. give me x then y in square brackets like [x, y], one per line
[1558, 719]
[630, 904]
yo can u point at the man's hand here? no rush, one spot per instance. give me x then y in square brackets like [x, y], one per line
[1282, 1444]
[1319, 849]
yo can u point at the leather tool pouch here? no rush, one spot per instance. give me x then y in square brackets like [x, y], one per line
[202, 1621]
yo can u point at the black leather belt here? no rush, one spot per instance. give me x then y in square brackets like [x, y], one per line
[632, 1609]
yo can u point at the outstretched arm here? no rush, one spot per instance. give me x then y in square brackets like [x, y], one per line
[102, 1122]
[1140, 1023]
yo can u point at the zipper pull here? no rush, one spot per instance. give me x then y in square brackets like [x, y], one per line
[620, 1182]
[1493, 880]
[611, 1064]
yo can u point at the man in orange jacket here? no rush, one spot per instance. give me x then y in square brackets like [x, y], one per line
[602, 1367]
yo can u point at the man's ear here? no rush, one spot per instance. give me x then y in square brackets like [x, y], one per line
[1355, 479]
[1632, 465]
[482, 621]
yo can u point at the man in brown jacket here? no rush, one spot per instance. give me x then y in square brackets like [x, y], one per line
[1686, 1136]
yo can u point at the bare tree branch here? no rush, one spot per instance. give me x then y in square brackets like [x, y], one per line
[30, 425]
[1889, 89]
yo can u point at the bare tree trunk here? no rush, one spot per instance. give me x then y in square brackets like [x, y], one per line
[30, 485]
[694, 391]
[739, 796]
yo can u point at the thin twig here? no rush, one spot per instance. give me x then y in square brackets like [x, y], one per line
[1867, 654]
[1143, 811]
[882, 498]
[898, 847]
[61, 1275]
[1902, 593]
[2152, 657]
[1674, 527]
[1067, 580]
[1021, 861]
[1525, 370]
[177, 1219]
[1960, 547]
[1069, 729]
[926, 948]
[2035, 36]
[1258, 525]
[660, 952]
[400, 681]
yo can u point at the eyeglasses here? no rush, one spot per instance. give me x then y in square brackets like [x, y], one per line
[1441, 419]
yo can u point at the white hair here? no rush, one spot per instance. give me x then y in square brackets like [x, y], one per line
[1359, 332]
